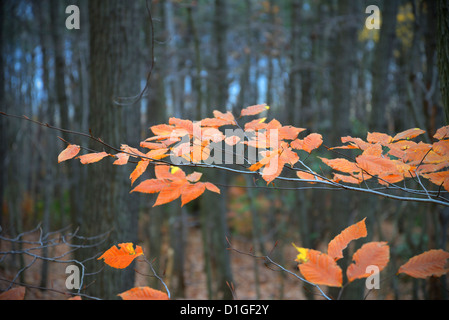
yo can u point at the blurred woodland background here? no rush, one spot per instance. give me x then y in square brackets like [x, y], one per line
[312, 61]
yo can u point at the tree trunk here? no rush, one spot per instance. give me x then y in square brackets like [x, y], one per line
[381, 62]
[443, 53]
[111, 25]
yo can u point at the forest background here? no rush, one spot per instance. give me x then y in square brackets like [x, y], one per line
[314, 62]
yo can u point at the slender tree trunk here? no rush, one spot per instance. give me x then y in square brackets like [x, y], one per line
[443, 53]
[381, 63]
[213, 207]
[107, 208]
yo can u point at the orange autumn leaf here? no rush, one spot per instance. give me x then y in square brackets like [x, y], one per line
[340, 242]
[143, 293]
[254, 110]
[171, 192]
[307, 176]
[172, 183]
[122, 159]
[121, 258]
[374, 165]
[342, 165]
[321, 269]
[232, 140]
[442, 133]
[151, 186]
[92, 157]
[139, 170]
[256, 124]
[69, 152]
[345, 178]
[17, 293]
[191, 192]
[378, 137]
[211, 187]
[408, 134]
[429, 263]
[440, 178]
[194, 177]
[370, 254]
[152, 145]
[309, 143]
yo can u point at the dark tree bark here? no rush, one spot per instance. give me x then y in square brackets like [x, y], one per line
[108, 204]
[381, 63]
[443, 53]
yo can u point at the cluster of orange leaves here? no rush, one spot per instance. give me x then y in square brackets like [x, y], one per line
[388, 159]
[322, 269]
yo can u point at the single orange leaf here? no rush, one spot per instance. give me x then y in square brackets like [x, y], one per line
[253, 110]
[139, 170]
[442, 133]
[375, 165]
[256, 124]
[370, 254]
[342, 165]
[307, 176]
[345, 178]
[69, 152]
[429, 263]
[92, 157]
[143, 293]
[152, 145]
[121, 258]
[320, 268]
[228, 116]
[122, 159]
[439, 178]
[17, 293]
[340, 242]
[194, 176]
[377, 137]
[309, 143]
[408, 134]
